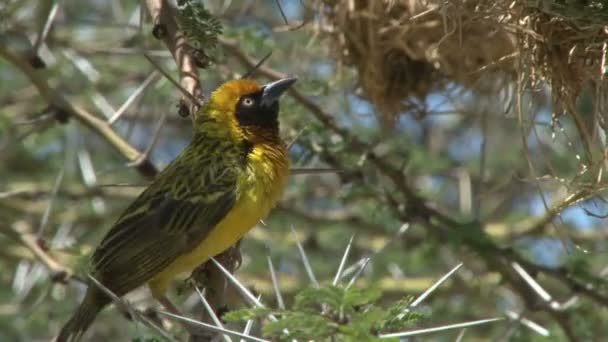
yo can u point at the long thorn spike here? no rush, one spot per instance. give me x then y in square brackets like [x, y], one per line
[134, 96]
[359, 271]
[343, 261]
[275, 284]
[211, 312]
[130, 309]
[211, 327]
[434, 286]
[249, 325]
[242, 289]
[47, 212]
[305, 260]
[440, 328]
[542, 293]
[537, 328]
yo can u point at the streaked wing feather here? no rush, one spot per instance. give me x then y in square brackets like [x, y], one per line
[153, 232]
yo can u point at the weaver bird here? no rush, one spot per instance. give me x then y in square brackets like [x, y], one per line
[218, 188]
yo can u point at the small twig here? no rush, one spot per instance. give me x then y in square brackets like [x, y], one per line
[181, 88]
[295, 139]
[278, 2]
[251, 72]
[289, 27]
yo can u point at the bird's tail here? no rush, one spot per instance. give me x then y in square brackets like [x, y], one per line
[84, 316]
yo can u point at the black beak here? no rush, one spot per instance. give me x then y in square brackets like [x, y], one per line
[272, 91]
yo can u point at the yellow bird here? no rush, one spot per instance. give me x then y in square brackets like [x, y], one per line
[225, 181]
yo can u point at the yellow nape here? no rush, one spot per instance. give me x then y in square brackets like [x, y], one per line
[259, 188]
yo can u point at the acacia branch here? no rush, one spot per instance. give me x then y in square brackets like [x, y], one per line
[66, 108]
[21, 233]
[167, 30]
[441, 226]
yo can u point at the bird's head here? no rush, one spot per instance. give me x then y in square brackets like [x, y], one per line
[246, 109]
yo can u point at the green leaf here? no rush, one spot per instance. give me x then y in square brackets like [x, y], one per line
[397, 317]
[147, 339]
[357, 297]
[247, 314]
[301, 325]
[202, 29]
[312, 298]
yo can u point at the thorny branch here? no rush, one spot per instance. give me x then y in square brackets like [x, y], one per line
[21, 233]
[166, 29]
[65, 107]
[441, 226]
[411, 207]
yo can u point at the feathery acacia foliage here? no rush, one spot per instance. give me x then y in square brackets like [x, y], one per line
[201, 28]
[332, 312]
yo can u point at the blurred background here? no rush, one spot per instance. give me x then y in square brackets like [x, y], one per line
[447, 132]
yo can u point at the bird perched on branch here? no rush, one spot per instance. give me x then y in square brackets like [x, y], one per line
[227, 179]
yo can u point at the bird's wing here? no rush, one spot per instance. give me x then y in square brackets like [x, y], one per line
[156, 229]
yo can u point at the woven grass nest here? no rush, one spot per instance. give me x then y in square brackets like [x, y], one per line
[406, 49]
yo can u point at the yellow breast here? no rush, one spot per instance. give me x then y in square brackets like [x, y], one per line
[258, 190]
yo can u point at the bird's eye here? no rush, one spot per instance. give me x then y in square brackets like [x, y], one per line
[248, 101]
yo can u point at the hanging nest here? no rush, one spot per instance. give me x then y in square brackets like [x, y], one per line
[564, 46]
[405, 50]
